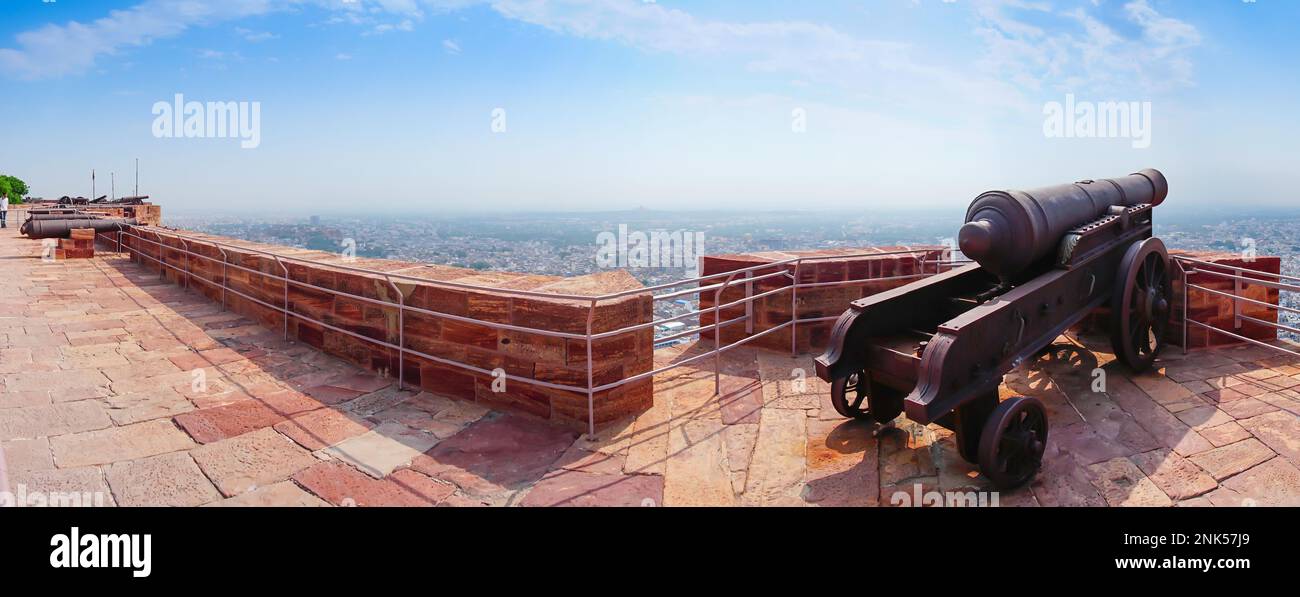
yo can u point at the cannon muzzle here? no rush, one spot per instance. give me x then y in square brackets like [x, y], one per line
[1006, 232]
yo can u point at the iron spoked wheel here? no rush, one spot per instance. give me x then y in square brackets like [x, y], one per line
[853, 397]
[1140, 307]
[1013, 441]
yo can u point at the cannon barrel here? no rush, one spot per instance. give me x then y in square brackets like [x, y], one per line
[1008, 231]
[64, 216]
[63, 228]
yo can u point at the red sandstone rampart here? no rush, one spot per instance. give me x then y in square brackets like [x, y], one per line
[1217, 310]
[349, 313]
[874, 272]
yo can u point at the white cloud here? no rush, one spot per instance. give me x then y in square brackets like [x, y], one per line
[450, 46]
[881, 69]
[71, 48]
[255, 36]
[1020, 56]
[382, 28]
[1087, 47]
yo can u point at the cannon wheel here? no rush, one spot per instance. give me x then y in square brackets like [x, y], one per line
[1140, 307]
[1013, 441]
[969, 420]
[856, 397]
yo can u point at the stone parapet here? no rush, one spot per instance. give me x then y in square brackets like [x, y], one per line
[447, 315]
[883, 272]
[863, 272]
[1220, 311]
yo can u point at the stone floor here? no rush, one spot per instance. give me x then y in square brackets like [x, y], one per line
[117, 388]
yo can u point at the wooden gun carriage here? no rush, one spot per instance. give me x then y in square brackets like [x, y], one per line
[937, 348]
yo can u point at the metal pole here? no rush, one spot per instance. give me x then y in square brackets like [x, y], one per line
[1180, 266]
[749, 303]
[794, 310]
[1237, 289]
[401, 333]
[286, 295]
[187, 263]
[591, 384]
[717, 335]
[137, 177]
[224, 276]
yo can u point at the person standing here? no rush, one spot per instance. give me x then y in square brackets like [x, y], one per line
[4, 211]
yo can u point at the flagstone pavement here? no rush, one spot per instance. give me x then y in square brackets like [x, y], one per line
[120, 389]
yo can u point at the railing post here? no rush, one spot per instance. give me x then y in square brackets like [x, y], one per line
[794, 310]
[1237, 289]
[1184, 270]
[401, 334]
[591, 377]
[187, 262]
[286, 295]
[749, 303]
[224, 275]
[717, 335]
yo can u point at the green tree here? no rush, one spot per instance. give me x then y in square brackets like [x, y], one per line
[12, 186]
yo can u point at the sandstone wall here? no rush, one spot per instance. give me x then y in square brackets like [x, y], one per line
[146, 214]
[368, 310]
[774, 310]
[1216, 310]
[877, 273]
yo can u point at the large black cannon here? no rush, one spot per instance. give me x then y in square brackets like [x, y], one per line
[937, 348]
[44, 227]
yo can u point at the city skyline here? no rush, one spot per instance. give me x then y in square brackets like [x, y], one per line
[458, 106]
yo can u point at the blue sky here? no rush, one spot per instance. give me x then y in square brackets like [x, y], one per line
[614, 104]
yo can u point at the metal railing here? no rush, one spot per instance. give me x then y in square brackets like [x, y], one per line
[1241, 278]
[789, 269]
[16, 217]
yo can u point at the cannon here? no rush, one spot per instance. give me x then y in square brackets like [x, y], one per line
[1043, 259]
[63, 227]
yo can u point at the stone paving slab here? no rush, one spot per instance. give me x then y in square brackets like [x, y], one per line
[70, 487]
[382, 450]
[99, 399]
[342, 485]
[577, 488]
[282, 494]
[242, 463]
[117, 444]
[168, 480]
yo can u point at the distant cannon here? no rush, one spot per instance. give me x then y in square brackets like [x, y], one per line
[62, 228]
[37, 215]
[937, 348]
